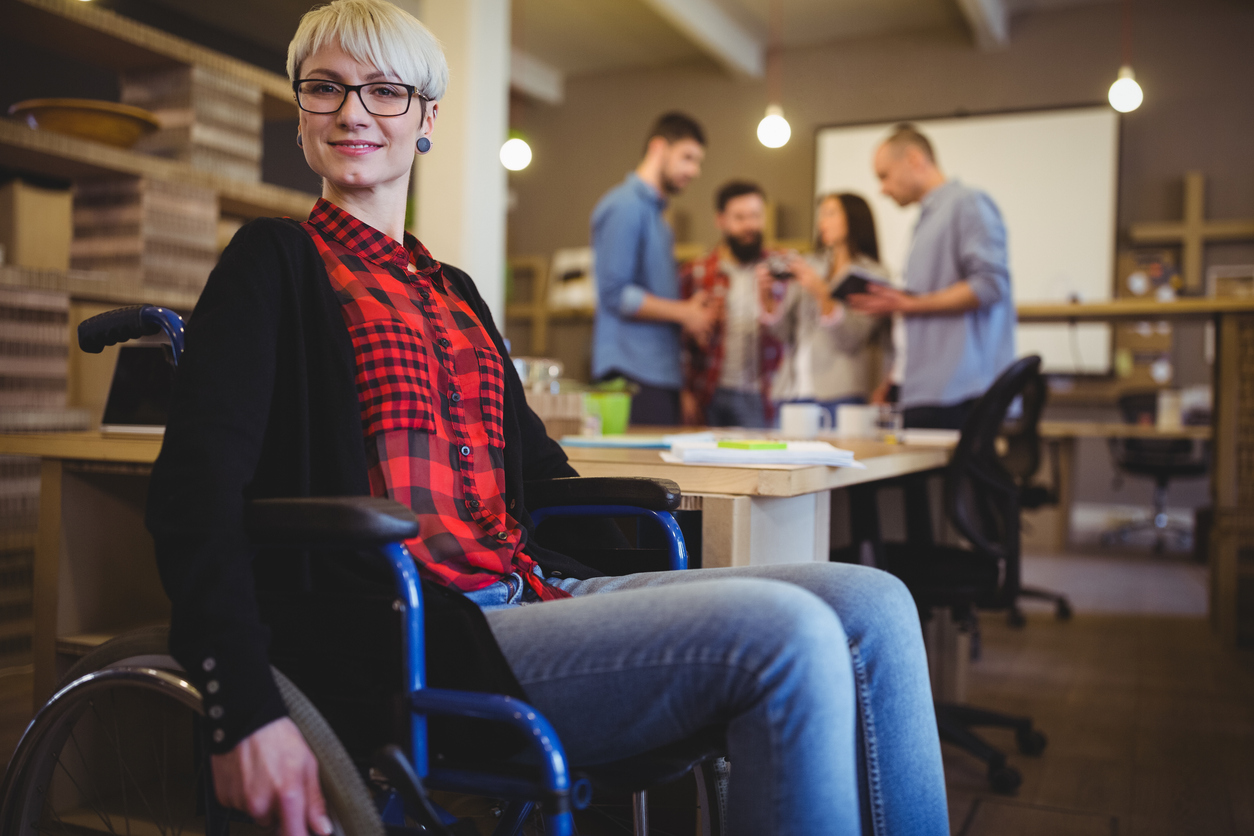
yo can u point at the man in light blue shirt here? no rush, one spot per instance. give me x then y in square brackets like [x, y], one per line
[957, 309]
[640, 316]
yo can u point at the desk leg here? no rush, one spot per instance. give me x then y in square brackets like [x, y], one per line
[1064, 449]
[762, 530]
[724, 530]
[46, 581]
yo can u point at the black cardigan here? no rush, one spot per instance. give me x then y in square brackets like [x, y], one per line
[265, 405]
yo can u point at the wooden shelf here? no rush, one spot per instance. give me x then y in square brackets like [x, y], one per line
[95, 286]
[1135, 309]
[107, 39]
[71, 158]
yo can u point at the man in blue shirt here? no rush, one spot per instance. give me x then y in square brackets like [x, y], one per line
[957, 310]
[640, 316]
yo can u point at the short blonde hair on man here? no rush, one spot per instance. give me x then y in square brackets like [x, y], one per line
[376, 33]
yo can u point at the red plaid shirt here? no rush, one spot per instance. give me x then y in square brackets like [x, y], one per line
[432, 391]
[703, 366]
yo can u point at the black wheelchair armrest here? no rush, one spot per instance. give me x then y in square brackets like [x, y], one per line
[641, 492]
[328, 522]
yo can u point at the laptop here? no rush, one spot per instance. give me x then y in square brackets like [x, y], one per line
[139, 396]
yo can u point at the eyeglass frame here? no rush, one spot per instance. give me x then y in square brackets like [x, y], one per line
[357, 88]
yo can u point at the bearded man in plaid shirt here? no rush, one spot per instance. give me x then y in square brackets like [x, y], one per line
[727, 379]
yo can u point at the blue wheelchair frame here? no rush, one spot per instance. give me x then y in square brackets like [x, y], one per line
[555, 788]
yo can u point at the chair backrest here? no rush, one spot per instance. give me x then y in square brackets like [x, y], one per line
[981, 496]
[1157, 456]
[1022, 454]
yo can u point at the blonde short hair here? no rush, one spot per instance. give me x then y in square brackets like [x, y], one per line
[376, 33]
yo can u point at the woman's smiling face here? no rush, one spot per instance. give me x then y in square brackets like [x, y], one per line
[352, 148]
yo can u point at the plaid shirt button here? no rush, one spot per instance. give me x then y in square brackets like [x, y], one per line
[465, 450]
[503, 535]
[473, 503]
[456, 396]
[444, 342]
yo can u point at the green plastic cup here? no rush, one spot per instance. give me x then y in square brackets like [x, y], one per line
[613, 408]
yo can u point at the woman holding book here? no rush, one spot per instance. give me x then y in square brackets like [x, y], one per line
[830, 347]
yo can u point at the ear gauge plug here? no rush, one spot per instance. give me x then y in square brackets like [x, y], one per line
[424, 145]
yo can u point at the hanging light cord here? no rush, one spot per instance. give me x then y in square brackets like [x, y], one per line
[1126, 33]
[773, 82]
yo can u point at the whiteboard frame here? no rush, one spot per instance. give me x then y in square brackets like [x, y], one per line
[1071, 329]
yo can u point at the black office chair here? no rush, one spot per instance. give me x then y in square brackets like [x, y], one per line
[1022, 459]
[982, 503]
[1160, 459]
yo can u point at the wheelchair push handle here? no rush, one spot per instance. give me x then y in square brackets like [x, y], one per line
[129, 323]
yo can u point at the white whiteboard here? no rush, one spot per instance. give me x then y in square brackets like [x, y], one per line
[1054, 176]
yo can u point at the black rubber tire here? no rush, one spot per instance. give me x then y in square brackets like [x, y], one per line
[1031, 742]
[1005, 780]
[712, 779]
[348, 800]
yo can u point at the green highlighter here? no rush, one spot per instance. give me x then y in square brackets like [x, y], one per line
[735, 444]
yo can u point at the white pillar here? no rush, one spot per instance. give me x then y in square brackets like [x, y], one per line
[460, 195]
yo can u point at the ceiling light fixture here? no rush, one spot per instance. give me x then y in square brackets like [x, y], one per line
[516, 154]
[774, 130]
[1125, 94]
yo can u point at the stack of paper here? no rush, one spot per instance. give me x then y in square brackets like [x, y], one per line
[796, 452]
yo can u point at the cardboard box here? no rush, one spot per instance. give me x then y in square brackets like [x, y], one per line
[35, 226]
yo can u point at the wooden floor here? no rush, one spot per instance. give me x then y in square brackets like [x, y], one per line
[1150, 722]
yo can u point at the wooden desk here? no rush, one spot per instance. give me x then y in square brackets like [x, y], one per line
[763, 513]
[1060, 443]
[95, 574]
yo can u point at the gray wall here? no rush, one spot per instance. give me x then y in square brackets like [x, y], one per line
[1194, 59]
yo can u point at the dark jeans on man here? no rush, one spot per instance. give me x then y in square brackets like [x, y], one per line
[937, 417]
[653, 405]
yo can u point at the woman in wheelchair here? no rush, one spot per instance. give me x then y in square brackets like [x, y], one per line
[335, 356]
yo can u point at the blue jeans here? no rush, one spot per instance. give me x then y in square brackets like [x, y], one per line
[818, 671]
[729, 408]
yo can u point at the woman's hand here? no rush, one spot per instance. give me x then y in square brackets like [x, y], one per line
[273, 776]
[809, 279]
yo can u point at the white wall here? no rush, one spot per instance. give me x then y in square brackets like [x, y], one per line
[1053, 175]
[460, 194]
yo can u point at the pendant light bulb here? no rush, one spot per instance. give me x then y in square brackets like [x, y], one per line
[774, 130]
[516, 154]
[1125, 94]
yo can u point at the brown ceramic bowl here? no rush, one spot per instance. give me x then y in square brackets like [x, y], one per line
[108, 122]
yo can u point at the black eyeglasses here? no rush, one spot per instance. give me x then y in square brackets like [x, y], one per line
[380, 98]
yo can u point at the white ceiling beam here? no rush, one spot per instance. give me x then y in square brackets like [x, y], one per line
[705, 24]
[989, 21]
[533, 77]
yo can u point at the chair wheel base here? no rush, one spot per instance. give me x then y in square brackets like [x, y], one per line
[1004, 780]
[1062, 612]
[1031, 742]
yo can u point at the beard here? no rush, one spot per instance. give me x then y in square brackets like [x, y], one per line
[669, 186]
[746, 248]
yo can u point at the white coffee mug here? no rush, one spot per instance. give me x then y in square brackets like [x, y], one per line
[803, 420]
[856, 420]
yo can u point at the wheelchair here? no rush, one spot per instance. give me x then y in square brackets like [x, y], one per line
[121, 747]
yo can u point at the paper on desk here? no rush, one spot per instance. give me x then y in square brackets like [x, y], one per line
[929, 437]
[797, 452]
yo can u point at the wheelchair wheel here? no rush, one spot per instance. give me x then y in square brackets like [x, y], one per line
[121, 749]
